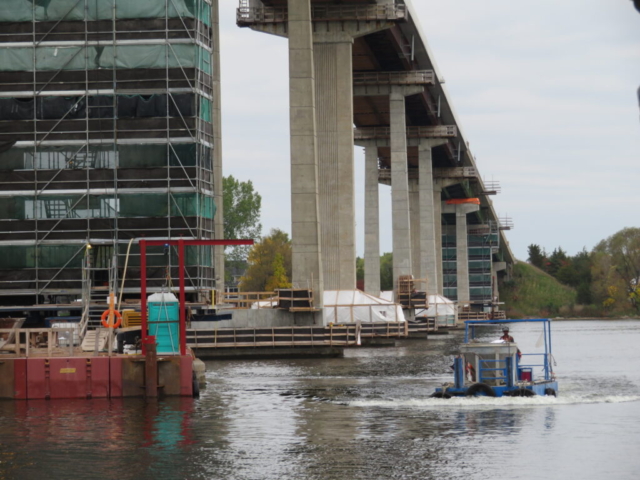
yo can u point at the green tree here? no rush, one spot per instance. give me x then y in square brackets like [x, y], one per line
[623, 252]
[279, 277]
[556, 261]
[359, 269]
[386, 271]
[241, 215]
[536, 256]
[262, 263]
[607, 289]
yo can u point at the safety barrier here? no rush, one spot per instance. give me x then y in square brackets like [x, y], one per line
[39, 341]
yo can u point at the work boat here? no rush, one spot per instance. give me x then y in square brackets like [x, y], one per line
[497, 369]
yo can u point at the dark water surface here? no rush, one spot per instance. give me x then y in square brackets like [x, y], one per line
[364, 416]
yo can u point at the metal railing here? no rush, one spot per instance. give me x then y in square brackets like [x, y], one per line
[453, 172]
[332, 335]
[247, 16]
[379, 133]
[416, 77]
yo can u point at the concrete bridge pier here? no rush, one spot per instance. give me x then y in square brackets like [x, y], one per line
[333, 58]
[401, 226]
[371, 222]
[430, 220]
[305, 219]
[414, 220]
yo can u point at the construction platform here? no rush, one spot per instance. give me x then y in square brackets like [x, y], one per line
[48, 369]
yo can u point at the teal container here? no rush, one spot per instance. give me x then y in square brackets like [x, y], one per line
[164, 322]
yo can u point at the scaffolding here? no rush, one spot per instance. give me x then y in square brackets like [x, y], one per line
[106, 135]
[484, 241]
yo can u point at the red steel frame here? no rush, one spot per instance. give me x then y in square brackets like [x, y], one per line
[180, 243]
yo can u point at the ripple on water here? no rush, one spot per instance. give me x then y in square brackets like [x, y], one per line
[491, 402]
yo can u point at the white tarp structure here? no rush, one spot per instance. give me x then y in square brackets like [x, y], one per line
[445, 311]
[387, 295]
[350, 306]
[266, 303]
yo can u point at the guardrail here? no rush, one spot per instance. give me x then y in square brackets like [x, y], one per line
[246, 16]
[416, 77]
[332, 335]
[380, 133]
[40, 340]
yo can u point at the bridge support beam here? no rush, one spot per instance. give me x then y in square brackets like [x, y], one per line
[333, 53]
[371, 222]
[305, 227]
[401, 226]
[218, 250]
[430, 218]
[414, 220]
[334, 119]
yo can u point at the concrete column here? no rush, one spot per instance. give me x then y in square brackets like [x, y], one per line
[305, 227]
[462, 251]
[430, 223]
[334, 120]
[218, 221]
[437, 223]
[399, 186]
[371, 222]
[415, 208]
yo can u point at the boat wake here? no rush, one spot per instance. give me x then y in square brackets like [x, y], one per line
[490, 402]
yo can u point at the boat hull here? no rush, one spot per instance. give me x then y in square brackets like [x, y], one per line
[536, 388]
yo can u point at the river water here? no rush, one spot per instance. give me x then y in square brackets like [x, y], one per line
[364, 416]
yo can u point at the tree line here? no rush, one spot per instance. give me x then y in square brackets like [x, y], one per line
[608, 277]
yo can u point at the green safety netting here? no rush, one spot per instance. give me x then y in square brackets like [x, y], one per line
[57, 256]
[205, 109]
[481, 291]
[54, 10]
[49, 256]
[20, 59]
[491, 239]
[482, 278]
[449, 253]
[480, 265]
[104, 156]
[480, 251]
[105, 206]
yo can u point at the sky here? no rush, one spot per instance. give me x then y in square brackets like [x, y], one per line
[545, 91]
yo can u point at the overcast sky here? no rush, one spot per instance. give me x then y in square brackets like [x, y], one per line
[545, 92]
